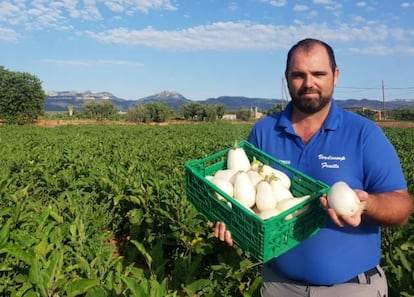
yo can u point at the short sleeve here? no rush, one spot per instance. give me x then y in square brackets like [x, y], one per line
[381, 165]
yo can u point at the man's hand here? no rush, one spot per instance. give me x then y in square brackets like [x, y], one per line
[222, 233]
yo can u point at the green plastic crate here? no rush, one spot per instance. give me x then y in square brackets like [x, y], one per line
[262, 239]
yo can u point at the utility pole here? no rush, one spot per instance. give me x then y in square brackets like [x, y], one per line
[383, 100]
[282, 94]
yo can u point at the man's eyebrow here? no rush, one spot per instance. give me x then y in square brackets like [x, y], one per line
[319, 72]
[299, 72]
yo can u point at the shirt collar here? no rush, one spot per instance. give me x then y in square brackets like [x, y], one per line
[332, 122]
[334, 118]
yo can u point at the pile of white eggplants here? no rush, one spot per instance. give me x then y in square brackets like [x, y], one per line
[259, 187]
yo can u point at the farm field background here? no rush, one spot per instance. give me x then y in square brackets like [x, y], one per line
[100, 210]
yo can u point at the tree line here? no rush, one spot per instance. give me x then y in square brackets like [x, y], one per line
[22, 101]
[160, 112]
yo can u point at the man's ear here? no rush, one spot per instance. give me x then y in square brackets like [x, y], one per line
[336, 75]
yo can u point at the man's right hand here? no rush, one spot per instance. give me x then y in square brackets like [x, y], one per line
[222, 233]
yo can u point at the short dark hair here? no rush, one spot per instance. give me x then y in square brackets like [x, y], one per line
[307, 44]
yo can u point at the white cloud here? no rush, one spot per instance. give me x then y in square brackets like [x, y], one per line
[8, 34]
[241, 35]
[233, 6]
[8, 10]
[132, 6]
[300, 7]
[114, 6]
[276, 3]
[379, 50]
[358, 19]
[249, 36]
[405, 5]
[38, 14]
[328, 4]
[217, 36]
[323, 2]
[92, 63]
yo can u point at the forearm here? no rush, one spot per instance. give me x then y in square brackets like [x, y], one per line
[389, 208]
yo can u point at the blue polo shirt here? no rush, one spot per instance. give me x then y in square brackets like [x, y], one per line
[347, 148]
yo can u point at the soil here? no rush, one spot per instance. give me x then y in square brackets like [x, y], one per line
[396, 124]
[56, 123]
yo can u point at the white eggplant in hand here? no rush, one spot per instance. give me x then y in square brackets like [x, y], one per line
[343, 199]
[264, 196]
[244, 191]
[237, 159]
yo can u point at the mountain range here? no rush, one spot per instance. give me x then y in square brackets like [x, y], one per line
[59, 101]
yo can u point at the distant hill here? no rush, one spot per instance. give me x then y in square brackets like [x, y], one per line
[235, 103]
[59, 101]
[173, 99]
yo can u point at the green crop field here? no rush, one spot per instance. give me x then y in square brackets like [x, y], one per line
[101, 210]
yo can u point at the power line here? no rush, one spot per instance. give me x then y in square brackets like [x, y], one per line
[376, 88]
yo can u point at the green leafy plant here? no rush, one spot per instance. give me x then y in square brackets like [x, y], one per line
[100, 210]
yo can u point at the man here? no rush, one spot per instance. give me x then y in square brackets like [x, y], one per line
[330, 144]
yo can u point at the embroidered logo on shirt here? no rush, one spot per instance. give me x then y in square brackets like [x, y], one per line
[330, 162]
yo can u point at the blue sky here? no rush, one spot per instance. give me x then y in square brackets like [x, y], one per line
[208, 48]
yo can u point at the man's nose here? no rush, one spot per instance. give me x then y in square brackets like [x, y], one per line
[309, 81]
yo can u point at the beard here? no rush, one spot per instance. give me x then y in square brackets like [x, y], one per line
[307, 105]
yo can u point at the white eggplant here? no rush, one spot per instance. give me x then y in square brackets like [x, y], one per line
[280, 192]
[264, 196]
[255, 164]
[223, 185]
[267, 170]
[255, 177]
[244, 191]
[227, 174]
[286, 204]
[237, 159]
[268, 213]
[209, 177]
[297, 212]
[343, 199]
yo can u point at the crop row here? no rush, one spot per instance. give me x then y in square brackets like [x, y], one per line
[100, 210]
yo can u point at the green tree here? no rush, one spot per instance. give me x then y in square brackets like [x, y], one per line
[191, 110]
[138, 113]
[368, 113]
[210, 113]
[243, 114]
[405, 114]
[159, 111]
[274, 108]
[99, 111]
[21, 97]
[221, 110]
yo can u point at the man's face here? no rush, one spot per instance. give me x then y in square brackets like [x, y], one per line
[310, 79]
